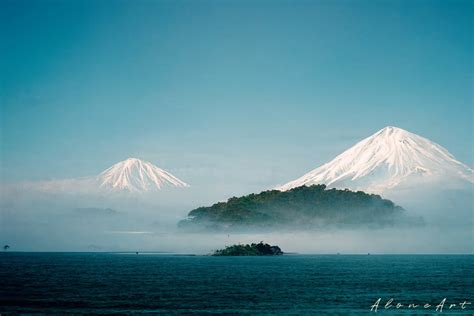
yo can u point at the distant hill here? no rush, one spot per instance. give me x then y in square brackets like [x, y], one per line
[95, 211]
[306, 207]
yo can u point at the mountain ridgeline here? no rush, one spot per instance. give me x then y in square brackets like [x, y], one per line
[307, 207]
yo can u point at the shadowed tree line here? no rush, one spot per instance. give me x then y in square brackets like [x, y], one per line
[303, 207]
[253, 249]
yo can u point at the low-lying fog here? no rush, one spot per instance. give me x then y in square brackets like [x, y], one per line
[59, 223]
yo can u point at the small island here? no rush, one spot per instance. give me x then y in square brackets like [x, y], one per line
[253, 249]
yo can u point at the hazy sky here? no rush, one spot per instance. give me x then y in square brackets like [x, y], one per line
[251, 93]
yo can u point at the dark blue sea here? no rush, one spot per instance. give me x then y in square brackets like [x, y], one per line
[112, 283]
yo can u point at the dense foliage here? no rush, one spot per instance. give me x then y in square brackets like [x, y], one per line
[253, 249]
[306, 206]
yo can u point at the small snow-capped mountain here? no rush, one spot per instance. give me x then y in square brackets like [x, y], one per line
[390, 158]
[135, 175]
[129, 176]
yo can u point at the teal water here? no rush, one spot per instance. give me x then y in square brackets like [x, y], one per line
[92, 283]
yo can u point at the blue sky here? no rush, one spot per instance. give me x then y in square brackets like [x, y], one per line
[251, 93]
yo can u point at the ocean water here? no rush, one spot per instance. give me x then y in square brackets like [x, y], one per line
[91, 283]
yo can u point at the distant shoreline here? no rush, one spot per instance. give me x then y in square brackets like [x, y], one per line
[198, 254]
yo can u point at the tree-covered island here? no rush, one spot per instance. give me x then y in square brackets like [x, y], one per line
[260, 249]
[306, 207]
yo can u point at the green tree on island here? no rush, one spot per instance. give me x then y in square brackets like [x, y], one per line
[260, 249]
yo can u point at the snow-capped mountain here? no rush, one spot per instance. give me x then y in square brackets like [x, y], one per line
[136, 175]
[129, 176]
[390, 158]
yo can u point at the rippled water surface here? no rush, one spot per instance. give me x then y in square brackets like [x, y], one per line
[293, 284]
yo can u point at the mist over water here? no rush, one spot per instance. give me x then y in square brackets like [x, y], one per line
[44, 222]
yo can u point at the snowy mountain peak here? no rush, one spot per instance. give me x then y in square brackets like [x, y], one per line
[391, 131]
[132, 160]
[386, 159]
[136, 175]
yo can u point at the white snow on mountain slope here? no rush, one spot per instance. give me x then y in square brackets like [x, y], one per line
[389, 158]
[136, 175]
[131, 175]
